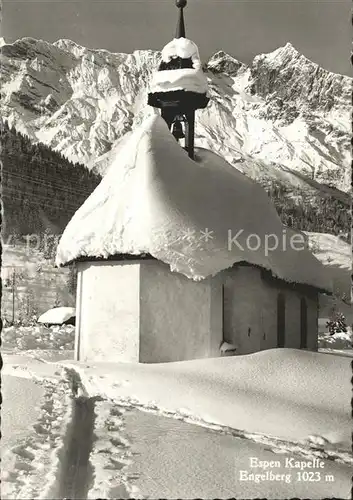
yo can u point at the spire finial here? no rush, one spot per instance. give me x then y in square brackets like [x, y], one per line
[180, 30]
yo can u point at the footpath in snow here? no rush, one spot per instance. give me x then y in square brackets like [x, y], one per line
[283, 408]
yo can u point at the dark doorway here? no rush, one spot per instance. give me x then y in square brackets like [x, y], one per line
[281, 319]
[303, 324]
[223, 312]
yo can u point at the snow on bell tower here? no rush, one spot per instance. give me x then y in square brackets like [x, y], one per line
[179, 87]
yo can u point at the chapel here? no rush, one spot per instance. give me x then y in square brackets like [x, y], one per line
[176, 249]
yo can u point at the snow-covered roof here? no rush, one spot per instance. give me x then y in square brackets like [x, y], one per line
[191, 79]
[155, 200]
[57, 315]
[183, 48]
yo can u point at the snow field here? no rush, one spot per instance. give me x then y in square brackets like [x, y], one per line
[119, 471]
[340, 340]
[282, 395]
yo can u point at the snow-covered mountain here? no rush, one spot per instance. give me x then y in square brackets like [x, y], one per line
[279, 118]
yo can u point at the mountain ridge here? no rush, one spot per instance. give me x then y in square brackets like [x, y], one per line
[278, 117]
[67, 42]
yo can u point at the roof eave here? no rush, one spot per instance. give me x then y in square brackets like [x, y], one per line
[266, 273]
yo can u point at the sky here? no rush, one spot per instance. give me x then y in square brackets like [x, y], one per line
[320, 29]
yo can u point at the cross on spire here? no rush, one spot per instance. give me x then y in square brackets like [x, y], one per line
[180, 29]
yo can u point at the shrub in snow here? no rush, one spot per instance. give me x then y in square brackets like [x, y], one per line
[337, 323]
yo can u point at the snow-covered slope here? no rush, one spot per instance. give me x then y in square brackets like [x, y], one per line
[280, 116]
[336, 255]
[155, 200]
[331, 250]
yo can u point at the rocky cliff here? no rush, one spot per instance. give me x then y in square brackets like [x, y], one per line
[282, 117]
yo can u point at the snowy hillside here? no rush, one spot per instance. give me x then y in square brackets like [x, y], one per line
[281, 116]
[331, 250]
[336, 255]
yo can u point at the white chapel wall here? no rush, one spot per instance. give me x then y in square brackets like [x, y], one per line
[141, 311]
[175, 316]
[250, 311]
[108, 311]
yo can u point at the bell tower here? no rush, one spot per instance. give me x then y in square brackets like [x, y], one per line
[179, 87]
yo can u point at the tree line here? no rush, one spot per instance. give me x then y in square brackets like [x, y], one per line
[320, 213]
[41, 191]
[41, 188]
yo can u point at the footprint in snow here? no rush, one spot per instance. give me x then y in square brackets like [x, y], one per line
[23, 466]
[23, 452]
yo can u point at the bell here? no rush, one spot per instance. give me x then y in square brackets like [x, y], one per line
[177, 130]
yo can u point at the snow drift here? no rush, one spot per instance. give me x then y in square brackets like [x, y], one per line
[337, 341]
[155, 200]
[287, 393]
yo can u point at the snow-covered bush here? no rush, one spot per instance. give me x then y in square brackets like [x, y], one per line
[337, 323]
[38, 337]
